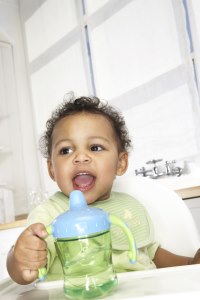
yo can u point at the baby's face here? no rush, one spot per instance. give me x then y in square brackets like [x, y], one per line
[85, 156]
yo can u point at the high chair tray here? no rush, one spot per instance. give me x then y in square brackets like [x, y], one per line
[159, 284]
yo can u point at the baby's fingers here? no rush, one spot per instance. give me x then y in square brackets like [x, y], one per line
[30, 269]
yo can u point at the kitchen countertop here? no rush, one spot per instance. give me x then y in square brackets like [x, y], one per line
[14, 224]
[190, 192]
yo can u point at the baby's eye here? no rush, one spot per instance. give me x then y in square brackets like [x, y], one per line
[65, 150]
[96, 148]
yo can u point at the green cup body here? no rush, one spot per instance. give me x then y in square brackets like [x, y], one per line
[87, 266]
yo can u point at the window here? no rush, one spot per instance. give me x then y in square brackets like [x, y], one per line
[135, 54]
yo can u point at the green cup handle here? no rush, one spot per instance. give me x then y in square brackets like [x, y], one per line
[133, 250]
[42, 272]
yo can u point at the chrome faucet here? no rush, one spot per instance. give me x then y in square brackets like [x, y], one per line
[168, 169]
[171, 169]
[155, 170]
[142, 171]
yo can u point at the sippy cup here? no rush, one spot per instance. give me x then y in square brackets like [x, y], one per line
[83, 244]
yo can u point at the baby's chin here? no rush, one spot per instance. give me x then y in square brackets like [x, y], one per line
[92, 199]
[89, 198]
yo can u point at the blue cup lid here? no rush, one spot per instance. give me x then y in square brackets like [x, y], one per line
[80, 220]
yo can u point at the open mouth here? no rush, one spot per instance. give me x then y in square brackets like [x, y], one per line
[83, 182]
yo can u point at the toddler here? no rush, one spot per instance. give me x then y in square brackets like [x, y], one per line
[86, 144]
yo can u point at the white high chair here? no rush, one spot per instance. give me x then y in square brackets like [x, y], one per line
[175, 229]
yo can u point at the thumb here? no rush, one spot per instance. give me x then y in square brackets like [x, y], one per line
[29, 275]
[38, 229]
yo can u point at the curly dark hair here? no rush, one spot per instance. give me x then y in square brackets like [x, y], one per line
[91, 105]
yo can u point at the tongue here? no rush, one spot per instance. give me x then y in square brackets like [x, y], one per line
[83, 180]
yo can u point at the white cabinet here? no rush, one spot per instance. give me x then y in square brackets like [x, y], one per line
[12, 176]
[7, 212]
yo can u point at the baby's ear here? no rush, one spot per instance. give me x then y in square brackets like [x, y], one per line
[122, 163]
[50, 169]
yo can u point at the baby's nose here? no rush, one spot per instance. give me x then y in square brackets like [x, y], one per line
[82, 158]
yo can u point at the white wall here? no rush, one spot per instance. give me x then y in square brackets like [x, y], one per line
[10, 31]
[62, 66]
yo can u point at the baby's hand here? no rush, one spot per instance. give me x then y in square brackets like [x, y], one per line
[30, 251]
[196, 259]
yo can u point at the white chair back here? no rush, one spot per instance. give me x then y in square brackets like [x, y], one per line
[8, 238]
[175, 229]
